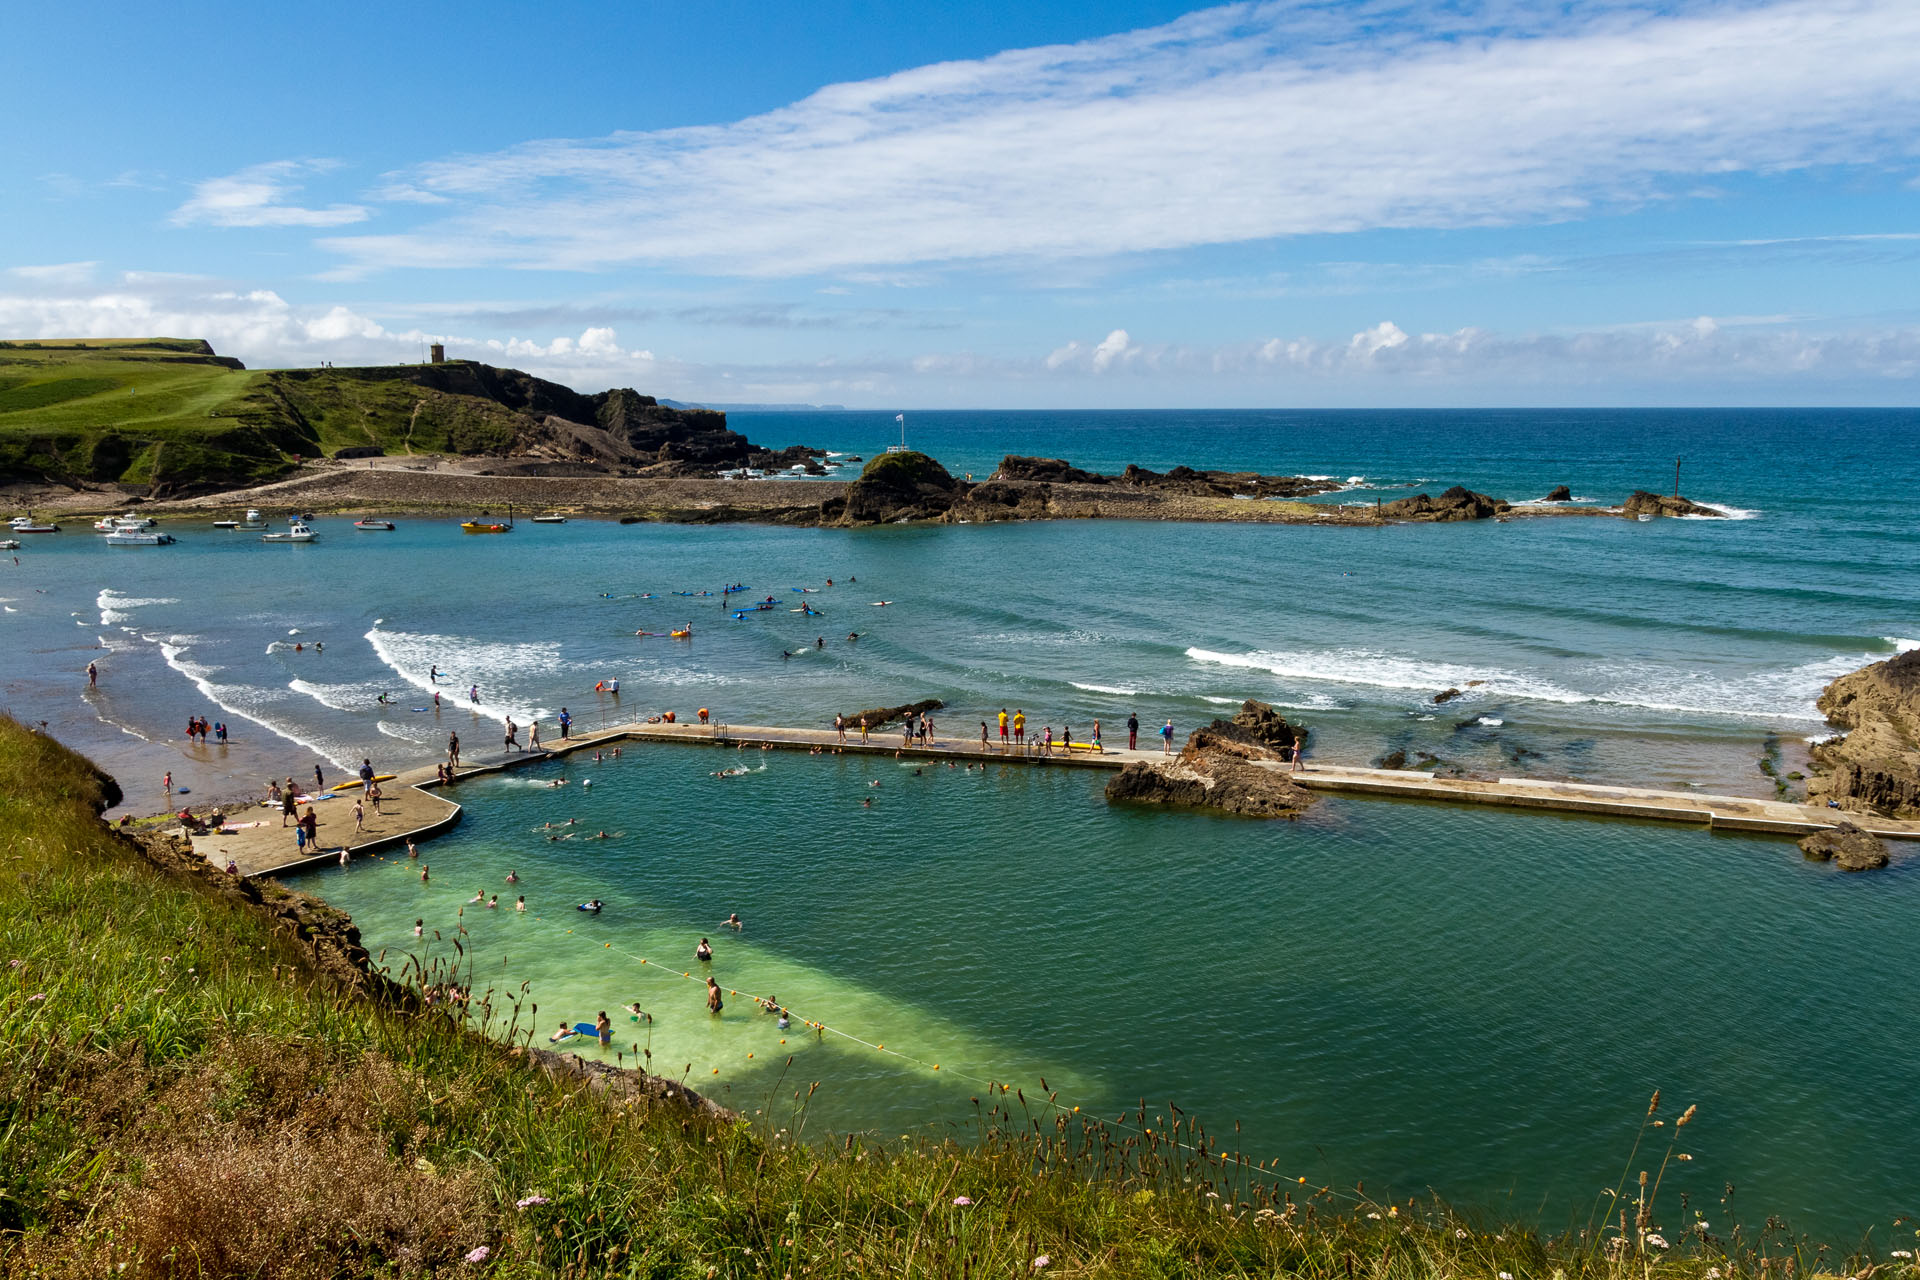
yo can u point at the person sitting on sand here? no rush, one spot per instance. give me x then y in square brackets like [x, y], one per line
[704, 952]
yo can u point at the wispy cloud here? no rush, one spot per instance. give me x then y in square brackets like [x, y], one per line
[1232, 124]
[259, 196]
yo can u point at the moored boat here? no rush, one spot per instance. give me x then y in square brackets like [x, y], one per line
[138, 538]
[551, 517]
[253, 523]
[27, 524]
[298, 531]
[9, 544]
[368, 522]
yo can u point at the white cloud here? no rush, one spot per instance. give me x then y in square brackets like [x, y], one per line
[258, 197]
[56, 272]
[1232, 124]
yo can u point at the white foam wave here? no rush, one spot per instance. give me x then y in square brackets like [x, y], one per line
[1492, 722]
[1901, 644]
[1815, 739]
[1118, 690]
[465, 662]
[1726, 512]
[1781, 694]
[116, 608]
[230, 699]
[342, 697]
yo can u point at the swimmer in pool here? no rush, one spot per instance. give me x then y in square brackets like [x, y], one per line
[704, 952]
[733, 921]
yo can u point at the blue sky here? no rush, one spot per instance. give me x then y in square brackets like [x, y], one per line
[1133, 204]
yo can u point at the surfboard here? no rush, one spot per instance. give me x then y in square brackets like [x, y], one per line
[587, 1029]
[356, 783]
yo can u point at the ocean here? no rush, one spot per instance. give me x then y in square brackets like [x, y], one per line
[1421, 997]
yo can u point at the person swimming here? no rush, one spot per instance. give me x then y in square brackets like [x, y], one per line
[704, 952]
[592, 906]
[733, 921]
[564, 1033]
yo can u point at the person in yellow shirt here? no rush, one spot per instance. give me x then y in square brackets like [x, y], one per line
[1003, 728]
[1019, 727]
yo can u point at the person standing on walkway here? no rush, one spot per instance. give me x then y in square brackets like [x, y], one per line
[453, 749]
[359, 818]
[1003, 729]
[1019, 726]
[840, 728]
[312, 824]
[1094, 741]
[366, 773]
[863, 729]
[288, 806]
[983, 739]
[1133, 731]
[566, 723]
[1166, 738]
[533, 736]
[1299, 749]
[300, 841]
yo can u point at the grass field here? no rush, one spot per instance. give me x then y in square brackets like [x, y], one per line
[186, 1091]
[169, 415]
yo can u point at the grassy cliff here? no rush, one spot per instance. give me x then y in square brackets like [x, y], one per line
[193, 1081]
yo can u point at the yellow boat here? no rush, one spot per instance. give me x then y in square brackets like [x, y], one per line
[680, 634]
[474, 526]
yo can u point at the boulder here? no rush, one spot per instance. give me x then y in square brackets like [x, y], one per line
[1004, 500]
[1849, 848]
[1228, 765]
[895, 487]
[1876, 765]
[1560, 494]
[1049, 470]
[1640, 503]
[877, 716]
[1457, 503]
[1445, 695]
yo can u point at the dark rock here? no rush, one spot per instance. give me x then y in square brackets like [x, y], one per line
[1445, 695]
[1391, 760]
[1048, 470]
[1223, 484]
[1640, 503]
[1228, 765]
[895, 487]
[1850, 848]
[1457, 503]
[359, 451]
[1003, 500]
[1560, 494]
[878, 716]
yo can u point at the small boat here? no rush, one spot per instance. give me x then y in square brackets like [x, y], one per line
[138, 538]
[253, 523]
[9, 544]
[27, 524]
[474, 526]
[226, 524]
[368, 522]
[298, 531]
[552, 517]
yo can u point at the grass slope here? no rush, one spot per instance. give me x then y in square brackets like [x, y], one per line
[169, 415]
[184, 1090]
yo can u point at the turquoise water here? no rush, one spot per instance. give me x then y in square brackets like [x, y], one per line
[1419, 996]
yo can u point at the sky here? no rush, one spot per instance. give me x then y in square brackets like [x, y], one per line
[988, 205]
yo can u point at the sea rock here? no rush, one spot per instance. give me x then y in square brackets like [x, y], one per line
[998, 499]
[1445, 695]
[1876, 766]
[877, 716]
[1640, 503]
[1457, 503]
[1049, 470]
[892, 488]
[1560, 494]
[1850, 848]
[1224, 484]
[1391, 760]
[1230, 765]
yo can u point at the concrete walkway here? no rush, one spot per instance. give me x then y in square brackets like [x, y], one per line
[415, 806]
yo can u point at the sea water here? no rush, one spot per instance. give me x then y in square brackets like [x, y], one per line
[1409, 994]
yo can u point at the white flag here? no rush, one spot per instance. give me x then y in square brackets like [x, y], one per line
[899, 417]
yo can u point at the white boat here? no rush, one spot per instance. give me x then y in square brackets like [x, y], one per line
[9, 544]
[108, 524]
[138, 538]
[552, 517]
[226, 524]
[253, 523]
[368, 522]
[298, 531]
[27, 524]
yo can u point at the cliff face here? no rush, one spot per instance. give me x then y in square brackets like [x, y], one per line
[1876, 765]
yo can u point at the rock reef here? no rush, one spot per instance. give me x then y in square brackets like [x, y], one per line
[1229, 765]
[1875, 767]
[1641, 503]
[1847, 847]
[1457, 503]
[877, 716]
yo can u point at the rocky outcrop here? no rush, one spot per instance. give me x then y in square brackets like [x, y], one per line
[1560, 493]
[1004, 500]
[1457, 503]
[878, 716]
[1848, 847]
[1876, 765]
[1640, 503]
[894, 487]
[1230, 765]
[1014, 467]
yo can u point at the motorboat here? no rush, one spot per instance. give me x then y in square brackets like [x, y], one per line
[27, 524]
[368, 522]
[298, 531]
[488, 526]
[252, 524]
[552, 517]
[226, 524]
[9, 544]
[138, 538]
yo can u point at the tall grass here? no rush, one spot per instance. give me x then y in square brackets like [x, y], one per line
[184, 1093]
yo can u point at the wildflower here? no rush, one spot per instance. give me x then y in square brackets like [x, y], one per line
[40, 996]
[1374, 1216]
[479, 1254]
[530, 1201]
[961, 1202]
[1903, 1253]
[1459, 1233]
[15, 964]
[1657, 1240]
[1506, 1275]
[1042, 1261]
[1713, 1273]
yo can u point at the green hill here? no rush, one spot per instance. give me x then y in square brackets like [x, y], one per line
[170, 417]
